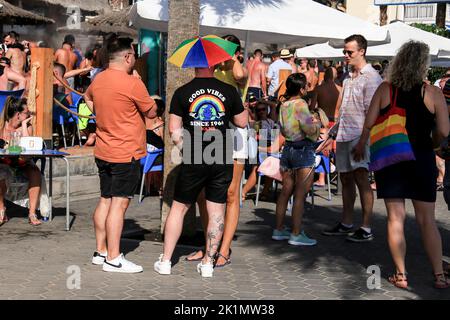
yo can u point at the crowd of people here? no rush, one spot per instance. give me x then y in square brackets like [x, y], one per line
[296, 108]
[352, 100]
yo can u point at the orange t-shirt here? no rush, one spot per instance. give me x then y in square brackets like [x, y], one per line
[119, 103]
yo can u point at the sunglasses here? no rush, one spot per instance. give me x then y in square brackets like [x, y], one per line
[261, 110]
[5, 61]
[350, 53]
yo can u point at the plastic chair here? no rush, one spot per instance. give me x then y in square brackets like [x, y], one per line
[76, 98]
[324, 167]
[5, 94]
[60, 116]
[147, 163]
[261, 157]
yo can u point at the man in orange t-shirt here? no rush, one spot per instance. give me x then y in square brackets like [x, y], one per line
[120, 102]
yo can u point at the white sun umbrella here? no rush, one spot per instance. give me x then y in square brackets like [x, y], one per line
[282, 22]
[401, 33]
[320, 51]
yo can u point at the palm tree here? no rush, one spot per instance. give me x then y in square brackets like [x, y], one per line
[383, 15]
[441, 15]
[184, 16]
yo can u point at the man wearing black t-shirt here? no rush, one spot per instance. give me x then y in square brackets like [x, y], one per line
[203, 108]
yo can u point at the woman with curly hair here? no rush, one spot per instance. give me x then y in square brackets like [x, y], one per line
[424, 106]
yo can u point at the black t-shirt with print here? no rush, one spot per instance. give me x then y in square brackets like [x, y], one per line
[207, 106]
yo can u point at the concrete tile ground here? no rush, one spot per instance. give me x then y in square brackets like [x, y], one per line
[39, 262]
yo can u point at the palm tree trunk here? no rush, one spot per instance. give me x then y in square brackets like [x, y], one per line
[383, 15]
[184, 16]
[441, 15]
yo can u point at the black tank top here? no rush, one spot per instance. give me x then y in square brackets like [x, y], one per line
[154, 139]
[419, 120]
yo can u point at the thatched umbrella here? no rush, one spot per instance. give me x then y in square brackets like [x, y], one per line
[10, 14]
[117, 22]
[85, 5]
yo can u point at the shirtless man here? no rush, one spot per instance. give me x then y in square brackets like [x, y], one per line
[311, 75]
[257, 82]
[327, 96]
[60, 70]
[9, 79]
[15, 53]
[67, 58]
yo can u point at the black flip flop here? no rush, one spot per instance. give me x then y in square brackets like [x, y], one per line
[227, 260]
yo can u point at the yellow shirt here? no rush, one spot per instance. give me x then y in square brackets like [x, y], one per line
[227, 77]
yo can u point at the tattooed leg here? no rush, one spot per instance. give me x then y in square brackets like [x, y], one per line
[216, 213]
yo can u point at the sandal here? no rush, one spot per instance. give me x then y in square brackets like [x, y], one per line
[227, 260]
[441, 281]
[446, 267]
[399, 280]
[3, 217]
[193, 254]
[33, 220]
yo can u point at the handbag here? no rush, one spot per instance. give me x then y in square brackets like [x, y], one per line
[389, 142]
[252, 147]
[270, 167]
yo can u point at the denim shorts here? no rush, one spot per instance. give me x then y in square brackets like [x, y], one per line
[298, 156]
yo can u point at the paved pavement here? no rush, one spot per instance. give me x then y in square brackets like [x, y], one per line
[44, 262]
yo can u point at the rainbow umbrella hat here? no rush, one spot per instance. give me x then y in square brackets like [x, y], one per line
[203, 52]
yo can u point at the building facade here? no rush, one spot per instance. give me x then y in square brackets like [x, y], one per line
[413, 13]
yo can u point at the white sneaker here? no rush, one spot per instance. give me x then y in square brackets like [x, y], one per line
[120, 264]
[206, 270]
[162, 267]
[98, 258]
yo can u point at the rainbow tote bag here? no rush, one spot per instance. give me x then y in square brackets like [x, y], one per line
[389, 142]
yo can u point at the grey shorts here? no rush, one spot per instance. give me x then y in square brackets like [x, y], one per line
[344, 157]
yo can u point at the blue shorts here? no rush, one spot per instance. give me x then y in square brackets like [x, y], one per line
[298, 155]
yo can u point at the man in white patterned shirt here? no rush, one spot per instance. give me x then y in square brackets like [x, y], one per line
[357, 94]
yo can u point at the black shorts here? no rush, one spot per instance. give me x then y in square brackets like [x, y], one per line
[118, 179]
[192, 178]
[256, 92]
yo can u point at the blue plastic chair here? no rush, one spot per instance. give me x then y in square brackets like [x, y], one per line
[76, 98]
[61, 116]
[5, 94]
[147, 164]
[324, 167]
